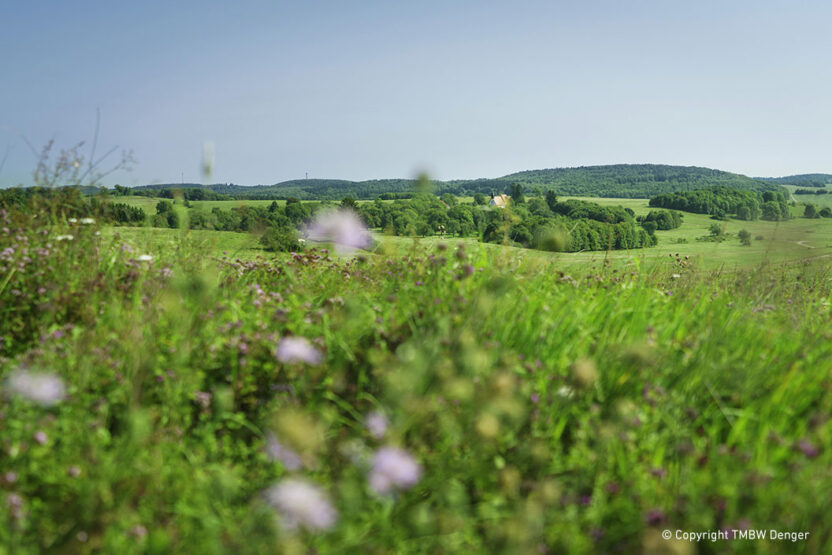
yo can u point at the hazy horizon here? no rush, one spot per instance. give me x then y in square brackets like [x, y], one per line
[461, 90]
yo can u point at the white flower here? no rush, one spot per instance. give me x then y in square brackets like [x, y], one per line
[342, 227]
[87, 221]
[676, 276]
[39, 387]
[297, 349]
[393, 468]
[73, 220]
[302, 503]
[64, 238]
[566, 392]
[144, 258]
[278, 452]
[376, 423]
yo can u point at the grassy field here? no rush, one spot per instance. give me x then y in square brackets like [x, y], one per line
[793, 240]
[430, 396]
[446, 397]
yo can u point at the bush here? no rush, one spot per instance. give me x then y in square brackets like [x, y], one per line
[281, 239]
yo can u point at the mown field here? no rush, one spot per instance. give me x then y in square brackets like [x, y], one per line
[426, 396]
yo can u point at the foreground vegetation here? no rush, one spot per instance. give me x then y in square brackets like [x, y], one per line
[437, 398]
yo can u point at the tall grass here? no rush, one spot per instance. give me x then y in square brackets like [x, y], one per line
[545, 412]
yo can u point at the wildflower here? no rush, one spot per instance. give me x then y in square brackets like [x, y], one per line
[654, 517]
[278, 452]
[64, 238]
[393, 468]
[74, 471]
[73, 220]
[297, 349]
[806, 447]
[14, 503]
[376, 423]
[87, 221]
[566, 392]
[203, 399]
[144, 258]
[139, 531]
[41, 437]
[676, 276]
[10, 477]
[44, 389]
[342, 227]
[301, 503]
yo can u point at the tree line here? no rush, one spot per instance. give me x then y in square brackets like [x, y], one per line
[722, 202]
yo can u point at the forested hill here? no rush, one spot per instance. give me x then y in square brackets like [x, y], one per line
[803, 180]
[619, 181]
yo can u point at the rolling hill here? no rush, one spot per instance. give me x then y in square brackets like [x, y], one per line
[615, 181]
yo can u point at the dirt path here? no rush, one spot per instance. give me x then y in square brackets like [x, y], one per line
[804, 244]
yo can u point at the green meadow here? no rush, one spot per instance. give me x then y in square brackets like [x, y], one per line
[173, 391]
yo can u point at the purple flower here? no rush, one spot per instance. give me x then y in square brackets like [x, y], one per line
[302, 504]
[806, 447]
[654, 517]
[376, 423]
[343, 228]
[41, 388]
[393, 468]
[297, 349]
[278, 452]
[41, 437]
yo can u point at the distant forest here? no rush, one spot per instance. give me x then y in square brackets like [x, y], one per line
[804, 180]
[615, 181]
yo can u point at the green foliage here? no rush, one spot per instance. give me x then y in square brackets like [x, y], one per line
[804, 180]
[575, 414]
[662, 219]
[621, 181]
[281, 239]
[810, 211]
[744, 237]
[719, 202]
[579, 430]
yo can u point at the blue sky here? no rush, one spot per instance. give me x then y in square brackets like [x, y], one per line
[360, 90]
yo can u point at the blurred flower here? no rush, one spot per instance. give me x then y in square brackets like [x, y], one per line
[376, 423]
[278, 452]
[74, 471]
[203, 399]
[139, 531]
[42, 388]
[565, 391]
[393, 468]
[303, 504]
[144, 258]
[87, 221]
[342, 227]
[41, 437]
[73, 220]
[64, 238]
[806, 447]
[297, 349]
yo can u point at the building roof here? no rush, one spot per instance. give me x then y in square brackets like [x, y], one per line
[500, 201]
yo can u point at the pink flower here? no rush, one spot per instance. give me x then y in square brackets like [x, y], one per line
[302, 504]
[343, 228]
[393, 468]
[376, 423]
[297, 349]
[278, 452]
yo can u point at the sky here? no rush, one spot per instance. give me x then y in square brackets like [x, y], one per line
[364, 89]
